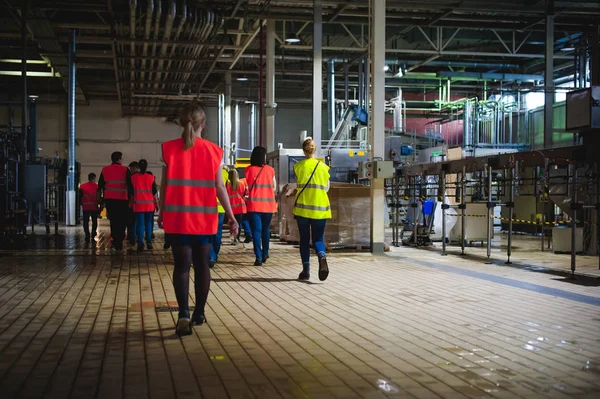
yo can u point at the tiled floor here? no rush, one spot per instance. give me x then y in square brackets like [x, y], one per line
[82, 323]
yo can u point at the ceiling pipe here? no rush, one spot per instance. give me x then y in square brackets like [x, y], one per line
[171, 12]
[148, 26]
[182, 19]
[132, 15]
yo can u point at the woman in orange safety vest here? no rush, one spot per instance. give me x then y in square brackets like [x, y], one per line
[261, 202]
[236, 189]
[191, 183]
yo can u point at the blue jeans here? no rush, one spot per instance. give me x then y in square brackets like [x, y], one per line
[305, 226]
[143, 223]
[246, 225]
[260, 223]
[216, 242]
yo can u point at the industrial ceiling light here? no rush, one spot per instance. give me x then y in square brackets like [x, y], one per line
[242, 78]
[399, 74]
[292, 39]
[386, 68]
[34, 96]
[568, 49]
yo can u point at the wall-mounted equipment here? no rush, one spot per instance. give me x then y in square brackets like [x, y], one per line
[583, 109]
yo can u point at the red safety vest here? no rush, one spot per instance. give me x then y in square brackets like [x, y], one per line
[143, 199]
[89, 201]
[236, 198]
[190, 205]
[261, 195]
[115, 182]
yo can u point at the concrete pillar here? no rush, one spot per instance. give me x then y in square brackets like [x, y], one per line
[549, 75]
[71, 204]
[317, 92]
[270, 115]
[377, 125]
[227, 119]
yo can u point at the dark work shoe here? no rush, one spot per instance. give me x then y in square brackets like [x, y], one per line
[323, 269]
[264, 260]
[257, 262]
[211, 263]
[140, 248]
[184, 327]
[88, 238]
[198, 319]
[166, 246]
[149, 245]
[303, 276]
[247, 240]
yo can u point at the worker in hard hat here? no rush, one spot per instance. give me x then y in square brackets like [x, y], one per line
[312, 208]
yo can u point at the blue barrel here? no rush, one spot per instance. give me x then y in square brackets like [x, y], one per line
[428, 207]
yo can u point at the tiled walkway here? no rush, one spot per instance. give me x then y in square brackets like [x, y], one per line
[82, 323]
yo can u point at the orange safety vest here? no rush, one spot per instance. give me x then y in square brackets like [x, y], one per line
[89, 201]
[261, 194]
[236, 198]
[143, 199]
[190, 204]
[115, 182]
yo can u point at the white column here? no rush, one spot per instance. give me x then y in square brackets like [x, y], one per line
[317, 95]
[227, 124]
[377, 125]
[270, 114]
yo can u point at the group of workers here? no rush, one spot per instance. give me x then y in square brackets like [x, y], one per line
[197, 193]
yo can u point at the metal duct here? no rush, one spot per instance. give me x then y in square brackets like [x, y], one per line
[331, 98]
[132, 13]
[70, 202]
[171, 12]
[147, 27]
[182, 19]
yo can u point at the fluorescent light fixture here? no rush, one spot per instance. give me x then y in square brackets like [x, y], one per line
[386, 68]
[292, 39]
[34, 96]
[242, 78]
[568, 49]
[399, 74]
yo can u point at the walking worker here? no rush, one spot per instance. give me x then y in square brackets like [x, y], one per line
[144, 200]
[218, 238]
[261, 202]
[134, 168]
[236, 189]
[312, 208]
[113, 188]
[192, 180]
[245, 218]
[89, 204]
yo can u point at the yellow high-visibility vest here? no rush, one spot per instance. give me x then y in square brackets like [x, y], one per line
[313, 202]
[225, 180]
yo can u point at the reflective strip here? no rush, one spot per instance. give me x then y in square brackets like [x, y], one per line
[262, 199]
[115, 189]
[314, 208]
[142, 191]
[316, 186]
[191, 183]
[90, 195]
[114, 181]
[143, 202]
[89, 203]
[264, 186]
[237, 205]
[190, 209]
[235, 196]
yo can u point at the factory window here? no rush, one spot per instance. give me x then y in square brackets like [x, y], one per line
[534, 100]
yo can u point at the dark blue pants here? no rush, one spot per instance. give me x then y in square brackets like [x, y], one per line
[217, 238]
[143, 223]
[246, 225]
[305, 227]
[260, 223]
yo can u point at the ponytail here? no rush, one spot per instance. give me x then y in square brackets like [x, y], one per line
[188, 135]
[192, 118]
[234, 179]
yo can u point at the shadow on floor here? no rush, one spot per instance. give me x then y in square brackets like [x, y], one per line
[258, 280]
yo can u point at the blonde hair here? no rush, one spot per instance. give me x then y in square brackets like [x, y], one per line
[234, 179]
[309, 147]
[191, 118]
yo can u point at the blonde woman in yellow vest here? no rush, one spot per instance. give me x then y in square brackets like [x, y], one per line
[218, 238]
[312, 208]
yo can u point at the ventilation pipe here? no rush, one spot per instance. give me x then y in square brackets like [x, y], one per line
[147, 27]
[331, 98]
[252, 125]
[171, 12]
[32, 144]
[132, 15]
[70, 202]
[236, 127]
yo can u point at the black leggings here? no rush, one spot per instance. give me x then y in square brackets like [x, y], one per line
[239, 218]
[184, 256]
